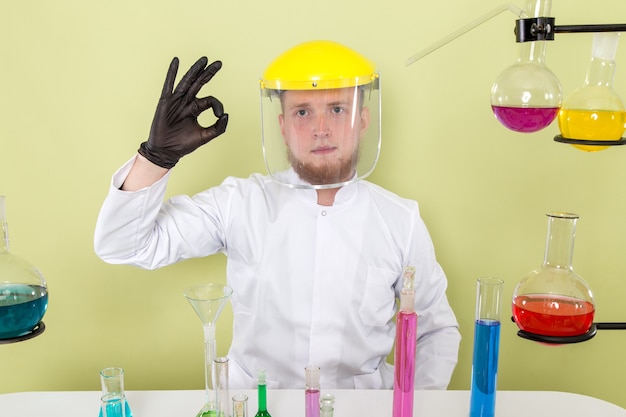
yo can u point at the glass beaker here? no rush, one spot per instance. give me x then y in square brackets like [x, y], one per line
[23, 291]
[112, 381]
[208, 300]
[486, 347]
[240, 405]
[526, 96]
[594, 112]
[553, 300]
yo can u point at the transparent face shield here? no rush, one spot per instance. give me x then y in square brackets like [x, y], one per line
[321, 138]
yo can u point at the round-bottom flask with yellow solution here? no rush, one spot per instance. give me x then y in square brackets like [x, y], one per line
[594, 112]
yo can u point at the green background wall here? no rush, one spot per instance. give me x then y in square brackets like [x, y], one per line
[80, 81]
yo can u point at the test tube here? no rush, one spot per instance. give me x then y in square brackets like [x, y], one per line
[221, 385]
[312, 391]
[486, 347]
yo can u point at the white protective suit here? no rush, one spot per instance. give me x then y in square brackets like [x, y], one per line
[311, 284]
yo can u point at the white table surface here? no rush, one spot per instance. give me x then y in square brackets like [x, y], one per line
[290, 403]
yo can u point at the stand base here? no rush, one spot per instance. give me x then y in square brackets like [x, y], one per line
[558, 340]
[561, 340]
[37, 330]
[561, 139]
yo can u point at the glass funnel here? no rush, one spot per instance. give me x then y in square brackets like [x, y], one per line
[23, 292]
[208, 301]
[526, 96]
[594, 112]
[553, 300]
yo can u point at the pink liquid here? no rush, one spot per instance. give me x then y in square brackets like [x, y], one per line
[312, 403]
[525, 119]
[404, 364]
[553, 315]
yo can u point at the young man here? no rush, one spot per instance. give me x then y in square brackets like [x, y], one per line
[315, 253]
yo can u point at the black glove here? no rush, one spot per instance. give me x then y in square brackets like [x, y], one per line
[175, 130]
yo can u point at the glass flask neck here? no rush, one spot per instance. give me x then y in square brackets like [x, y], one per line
[262, 397]
[600, 73]
[4, 244]
[4, 227]
[537, 8]
[532, 52]
[560, 240]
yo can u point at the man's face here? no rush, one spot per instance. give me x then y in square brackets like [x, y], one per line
[322, 129]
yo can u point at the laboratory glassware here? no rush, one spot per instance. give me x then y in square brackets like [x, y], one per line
[552, 300]
[221, 385]
[112, 406]
[262, 395]
[526, 96]
[595, 112]
[240, 405]
[327, 405]
[312, 391]
[112, 381]
[208, 301]
[23, 291]
[486, 347]
[406, 339]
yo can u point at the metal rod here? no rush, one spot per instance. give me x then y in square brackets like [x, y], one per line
[620, 27]
[611, 326]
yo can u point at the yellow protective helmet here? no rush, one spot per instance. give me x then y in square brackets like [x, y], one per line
[318, 72]
[318, 65]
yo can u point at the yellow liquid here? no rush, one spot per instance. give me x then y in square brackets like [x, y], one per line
[592, 125]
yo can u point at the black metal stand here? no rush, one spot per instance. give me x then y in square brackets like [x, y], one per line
[561, 340]
[37, 330]
[561, 139]
[543, 29]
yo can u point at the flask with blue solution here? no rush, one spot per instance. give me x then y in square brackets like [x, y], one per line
[23, 292]
[114, 403]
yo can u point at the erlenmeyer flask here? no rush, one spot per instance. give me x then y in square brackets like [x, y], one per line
[553, 300]
[114, 403]
[594, 112]
[526, 96]
[208, 301]
[23, 292]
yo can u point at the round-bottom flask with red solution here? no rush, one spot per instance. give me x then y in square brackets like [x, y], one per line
[553, 300]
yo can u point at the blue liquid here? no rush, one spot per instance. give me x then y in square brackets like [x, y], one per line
[21, 308]
[485, 368]
[114, 409]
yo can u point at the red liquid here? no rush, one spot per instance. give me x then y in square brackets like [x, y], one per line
[525, 119]
[553, 315]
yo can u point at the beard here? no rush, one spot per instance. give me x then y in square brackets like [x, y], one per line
[325, 172]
